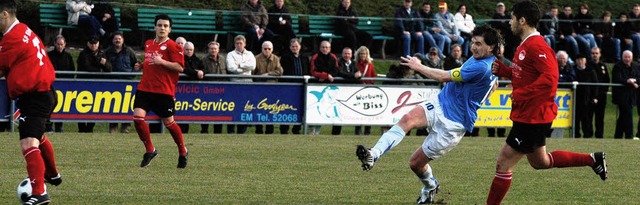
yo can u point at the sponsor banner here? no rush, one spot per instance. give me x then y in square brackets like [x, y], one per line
[497, 108]
[5, 103]
[98, 100]
[358, 105]
[372, 105]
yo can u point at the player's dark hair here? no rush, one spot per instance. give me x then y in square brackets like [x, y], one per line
[491, 37]
[9, 5]
[163, 17]
[528, 10]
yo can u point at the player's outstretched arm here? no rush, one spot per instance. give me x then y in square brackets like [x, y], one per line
[432, 73]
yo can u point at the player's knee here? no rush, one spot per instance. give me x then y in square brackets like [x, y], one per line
[408, 121]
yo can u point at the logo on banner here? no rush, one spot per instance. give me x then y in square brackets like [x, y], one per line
[368, 101]
[326, 104]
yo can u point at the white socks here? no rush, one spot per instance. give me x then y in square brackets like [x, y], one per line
[388, 140]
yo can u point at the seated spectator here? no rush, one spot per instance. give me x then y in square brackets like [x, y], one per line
[500, 21]
[603, 31]
[448, 27]
[214, 63]
[267, 64]
[548, 27]
[62, 61]
[433, 58]
[573, 41]
[280, 23]
[584, 29]
[430, 33]
[409, 27]
[634, 18]
[107, 17]
[455, 60]
[255, 21]
[78, 14]
[464, 22]
[623, 31]
[122, 59]
[92, 59]
[347, 26]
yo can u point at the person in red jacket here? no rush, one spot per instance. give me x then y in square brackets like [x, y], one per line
[534, 74]
[163, 63]
[30, 75]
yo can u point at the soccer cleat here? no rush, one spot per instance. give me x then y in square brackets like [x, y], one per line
[427, 196]
[37, 200]
[55, 181]
[182, 161]
[146, 159]
[365, 156]
[599, 165]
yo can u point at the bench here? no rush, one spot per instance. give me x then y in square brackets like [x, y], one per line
[373, 25]
[189, 21]
[55, 16]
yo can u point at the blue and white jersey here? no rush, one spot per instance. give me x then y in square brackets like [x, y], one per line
[471, 85]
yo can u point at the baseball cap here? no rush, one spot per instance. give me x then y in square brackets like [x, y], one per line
[94, 40]
[442, 4]
[433, 50]
[500, 4]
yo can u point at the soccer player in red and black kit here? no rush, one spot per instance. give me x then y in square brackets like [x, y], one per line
[30, 76]
[534, 75]
[163, 63]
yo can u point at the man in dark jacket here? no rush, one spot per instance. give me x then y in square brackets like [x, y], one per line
[122, 59]
[625, 73]
[586, 98]
[280, 23]
[409, 26]
[294, 64]
[346, 25]
[92, 59]
[602, 74]
[62, 61]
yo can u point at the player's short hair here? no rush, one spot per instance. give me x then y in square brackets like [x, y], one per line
[9, 5]
[163, 17]
[491, 37]
[528, 10]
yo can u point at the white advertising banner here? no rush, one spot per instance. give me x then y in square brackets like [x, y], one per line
[355, 104]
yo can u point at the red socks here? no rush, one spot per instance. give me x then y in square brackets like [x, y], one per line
[562, 159]
[35, 169]
[143, 132]
[176, 133]
[46, 150]
[499, 188]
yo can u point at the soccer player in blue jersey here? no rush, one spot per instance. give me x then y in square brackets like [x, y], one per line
[446, 116]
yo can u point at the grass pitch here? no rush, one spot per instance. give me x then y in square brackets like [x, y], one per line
[102, 168]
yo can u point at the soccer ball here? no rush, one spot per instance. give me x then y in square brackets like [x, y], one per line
[24, 190]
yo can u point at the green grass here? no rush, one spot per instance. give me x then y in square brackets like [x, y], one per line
[228, 169]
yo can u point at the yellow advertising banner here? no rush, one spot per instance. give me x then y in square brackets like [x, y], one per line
[496, 109]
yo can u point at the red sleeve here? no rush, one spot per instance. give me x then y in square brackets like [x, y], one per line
[319, 75]
[503, 70]
[548, 78]
[176, 54]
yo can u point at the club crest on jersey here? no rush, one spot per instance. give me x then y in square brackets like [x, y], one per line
[163, 47]
[522, 54]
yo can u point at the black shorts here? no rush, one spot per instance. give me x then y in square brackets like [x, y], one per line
[35, 112]
[160, 104]
[525, 137]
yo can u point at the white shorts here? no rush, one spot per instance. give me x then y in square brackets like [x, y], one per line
[444, 134]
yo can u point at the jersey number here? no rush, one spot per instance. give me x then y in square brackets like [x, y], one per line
[429, 106]
[36, 43]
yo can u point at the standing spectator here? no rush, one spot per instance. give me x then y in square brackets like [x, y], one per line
[365, 66]
[255, 21]
[623, 31]
[603, 31]
[500, 21]
[347, 26]
[29, 75]
[567, 32]
[267, 64]
[455, 60]
[181, 41]
[194, 69]
[348, 70]
[602, 73]
[280, 23]
[214, 63]
[548, 27]
[565, 69]
[431, 33]
[586, 98]
[324, 66]
[464, 22]
[584, 29]
[92, 59]
[433, 58]
[535, 81]
[448, 28]
[408, 24]
[240, 62]
[626, 73]
[634, 18]
[78, 14]
[294, 64]
[122, 59]
[163, 62]
[105, 14]
[62, 61]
